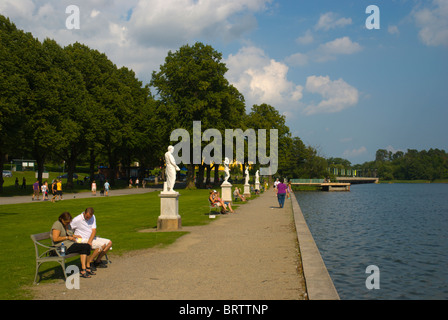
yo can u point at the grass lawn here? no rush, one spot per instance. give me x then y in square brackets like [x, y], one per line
[119, 219]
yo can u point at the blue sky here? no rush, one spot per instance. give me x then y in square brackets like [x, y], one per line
[344, 89]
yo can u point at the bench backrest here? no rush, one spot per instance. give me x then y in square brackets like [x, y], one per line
[38, 246]
[40, 236]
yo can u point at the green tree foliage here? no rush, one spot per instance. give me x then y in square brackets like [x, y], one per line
[191, 86]
[73, 104]
[412, 165]
[14, 88]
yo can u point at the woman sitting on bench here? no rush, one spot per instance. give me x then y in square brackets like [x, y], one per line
[61, 234]
[215, 199]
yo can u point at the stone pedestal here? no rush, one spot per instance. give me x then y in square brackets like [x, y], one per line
[247, 190]
[169, 219]
[257, 186]
[226, 192]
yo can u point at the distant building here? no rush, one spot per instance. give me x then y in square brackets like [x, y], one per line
[23, 165]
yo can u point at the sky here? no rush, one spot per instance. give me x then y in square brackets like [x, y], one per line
[349, 80]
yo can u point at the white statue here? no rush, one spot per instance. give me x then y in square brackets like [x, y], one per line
[226, 169]
[247, 175]
[257, 177]
[171, 169]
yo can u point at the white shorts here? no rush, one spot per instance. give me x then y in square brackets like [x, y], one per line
[97, 242]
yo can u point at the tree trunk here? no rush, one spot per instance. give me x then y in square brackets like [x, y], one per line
[207, 180]
[216, 177]
[200, 178]
[190, 177]
[2, 161]
[92, 165]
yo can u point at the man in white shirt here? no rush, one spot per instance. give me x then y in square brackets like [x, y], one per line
[84, 225]
[276, 183]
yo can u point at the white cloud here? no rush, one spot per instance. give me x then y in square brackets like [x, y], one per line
[393, 150]
[17, 8]
[393, 30]
[330, 20]
[433, 23]
[307, 38]
[173, 22]
[94, 13]
[355, 152]
[339, 46]
[137, 33]
[337, 95]
[325, 52]
[262, 79]
[297, 59]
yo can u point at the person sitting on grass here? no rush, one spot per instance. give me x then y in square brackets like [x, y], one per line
[237, 193]
[61, 233]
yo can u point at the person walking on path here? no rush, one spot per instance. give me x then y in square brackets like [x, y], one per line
[106, 188]
[93, 188]
[36, 190]
[59, 189]
[44, 189]
[281, 190]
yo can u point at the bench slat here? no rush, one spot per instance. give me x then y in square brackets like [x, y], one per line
[41, 236]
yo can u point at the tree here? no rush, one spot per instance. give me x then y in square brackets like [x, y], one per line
[14, 89]
[265, 116]
[191, 87]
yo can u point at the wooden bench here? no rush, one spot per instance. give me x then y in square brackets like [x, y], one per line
[46, 253]
[212, 206]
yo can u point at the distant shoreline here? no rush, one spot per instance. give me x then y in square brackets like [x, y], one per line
[414, 181]
[314, 188]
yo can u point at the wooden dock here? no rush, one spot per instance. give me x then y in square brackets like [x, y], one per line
[357, 180]
[325, 186]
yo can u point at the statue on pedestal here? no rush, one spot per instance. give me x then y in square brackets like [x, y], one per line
[171, 168]
[257, 177]
[226, 170]
[247, 175]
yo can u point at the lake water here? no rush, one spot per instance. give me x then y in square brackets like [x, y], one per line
[400, 228]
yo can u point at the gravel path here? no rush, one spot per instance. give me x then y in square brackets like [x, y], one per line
[249, 255]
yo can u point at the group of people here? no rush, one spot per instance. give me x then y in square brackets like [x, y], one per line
[55, 189]
[282, 190]
[104, 191]
[79, 235]
[137, 183]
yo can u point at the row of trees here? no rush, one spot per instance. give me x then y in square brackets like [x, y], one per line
[410, 165]
[399, 165]
[64, 104]
[73, 104]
